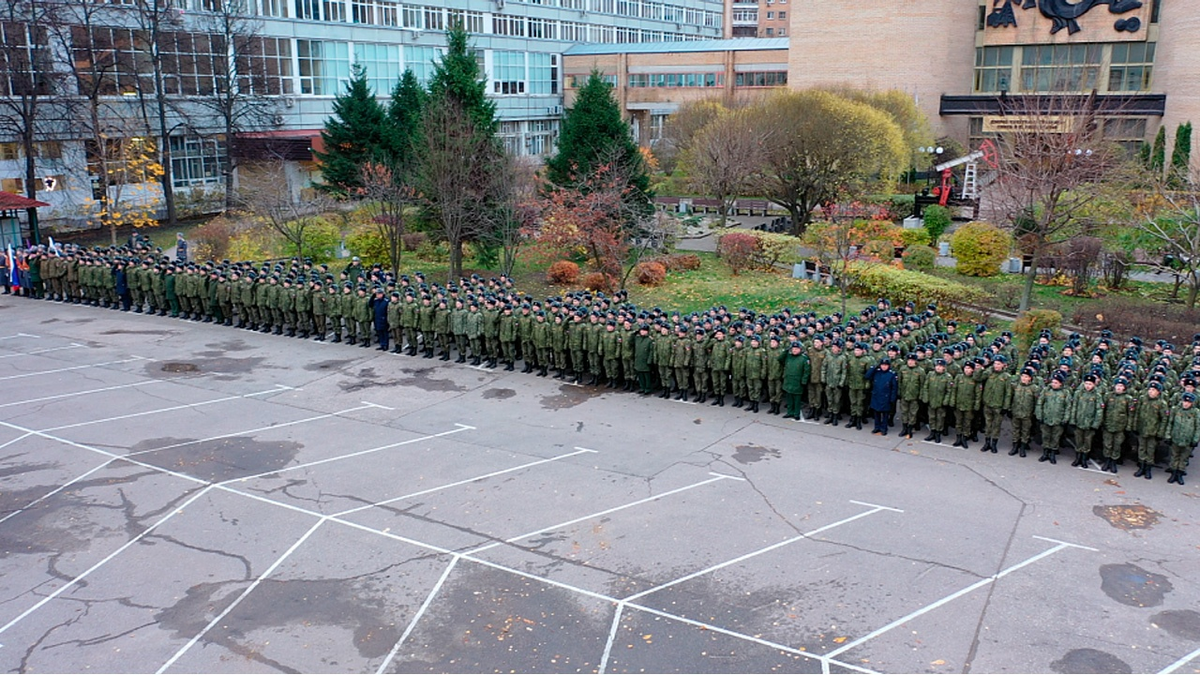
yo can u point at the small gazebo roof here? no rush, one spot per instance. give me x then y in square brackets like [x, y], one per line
[12, 202]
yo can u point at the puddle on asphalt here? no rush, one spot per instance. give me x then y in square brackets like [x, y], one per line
[1128, 516]
[570, 396]
[1089, 661]
[418, 377]
[1181, 623]
[499, 394]
[749, 454]
[1131, 585]
[226, 458]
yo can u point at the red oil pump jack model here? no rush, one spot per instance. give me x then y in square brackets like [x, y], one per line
[970, 185]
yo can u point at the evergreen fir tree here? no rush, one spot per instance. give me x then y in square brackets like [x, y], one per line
[355, 134]
[1158, 156]
[404, 119]
[1143, 155]
[593, 131]
[457, 75]
[1181, 154]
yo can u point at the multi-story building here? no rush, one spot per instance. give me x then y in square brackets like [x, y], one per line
[301, 56]
[651, 81]
[757, 18]
[969, 61]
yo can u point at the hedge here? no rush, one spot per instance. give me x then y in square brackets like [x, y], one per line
[908, 286]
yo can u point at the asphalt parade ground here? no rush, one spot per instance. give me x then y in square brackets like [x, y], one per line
[183, 497]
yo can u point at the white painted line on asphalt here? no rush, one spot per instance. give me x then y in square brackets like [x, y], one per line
[376, 405]
[950, 598]
[244, 432]
[1066, 543]
[1179, 664]
[389, 446]
[18, 335]
[71, 583]
[73, 345]
[684, 401]
[55, 491]
[462, 482]
[18, 438]
[417, 617]
[725, 475]
[83, 393]
[594, 515]
[249, 589]
[63, 370]
[876, 506]
[752, 554]
[612, 636]
[586, 449]
[184, 406]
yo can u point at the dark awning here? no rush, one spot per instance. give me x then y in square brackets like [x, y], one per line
[1134, 105]
[12, 202]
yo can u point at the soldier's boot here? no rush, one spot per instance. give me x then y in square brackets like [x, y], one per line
[366, 342]
[1149, 466]
[228, 321]
[987, 445]
[837, 419]
[1174, 475]
[974, 438]
[858, 423]
[1141, 470]
[544, 371]
[279, 330]
[666, 392]
[1024, 448]
[291, 332]
[1078, 458]
[1179, 478]
[737, 401]
[337, 337]
[509, 366]
[699, 397]
[428, 353]
[721, 400]
[1045, 455]
[462, 358]
[937, 437]
[958, 440]
[774, 409]
[137, 310]
[754, 407]
[1016, 447]
[1054, 456]
[852, 422]
[560, 374]
[528, 368]
[351, 340]
[682, 395]
[906, 430]
[475, 362]
[994, 444]
[592, 379]
[931, 436]
[396, 349]
[445, 354]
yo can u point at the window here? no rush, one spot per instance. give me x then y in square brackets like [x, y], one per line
[420, 60]
[508, 25]
[272, 7]
[335, 10]
[1067, 67]
[413, 17]
[265, 67]
[324, 66]
[782, 32]
[770, 32]
[543, 74]
[382, 63]
[574, 32]
[375, 12]
[1132, 64]
[603, 6]
[196, 160]
[471, 21]
[10, 152]
[676, 80]
[13, 185]
[545, 29]
[192, 63]
[47, 150]
[761, 79]
[1127, 132]
[508, 72]
[770, 16]
[993, 68]
[308, 9]
[111, 61]
[782, 16]
[541, 137]
[435, 18]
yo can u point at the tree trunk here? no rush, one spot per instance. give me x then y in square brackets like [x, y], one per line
[1030, 278]
[1193, 290]
[456, 259]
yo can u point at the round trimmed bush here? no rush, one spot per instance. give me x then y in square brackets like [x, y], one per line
[980, 249]
[563, 273]
[919, 258]
[650, 273]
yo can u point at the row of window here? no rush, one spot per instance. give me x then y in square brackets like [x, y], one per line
[1112, 67]
[393, 13]
[41, 150]
[639, 80]
[529, 137]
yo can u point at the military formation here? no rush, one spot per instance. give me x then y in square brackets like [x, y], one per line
[1107, 401]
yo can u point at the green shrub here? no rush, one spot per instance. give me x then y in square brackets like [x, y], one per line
[914, 236]
[920, 258]
[368, 244]
[900, 286]
[937, 219]
[980, 248]
[1029, 325]
[738, 250]
[321, 238]
[777, 248]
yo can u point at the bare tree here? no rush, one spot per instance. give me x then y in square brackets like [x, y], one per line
[157, 22]
[516, 208]
[30, 86]
[457, 166]
[1052, 156]
[681, 127]
[241, 100]
[270, 193]
[391, 193]
[725, 157]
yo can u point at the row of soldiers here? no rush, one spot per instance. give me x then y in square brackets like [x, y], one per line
[1102, 392]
